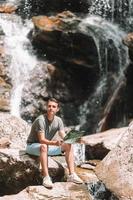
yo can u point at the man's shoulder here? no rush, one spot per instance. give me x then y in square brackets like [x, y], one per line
[58, 118]
[40, 118]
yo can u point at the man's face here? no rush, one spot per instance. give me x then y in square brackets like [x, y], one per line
[52, 108]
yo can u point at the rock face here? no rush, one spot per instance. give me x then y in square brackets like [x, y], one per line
[61, 39]
[5, 85]
[18, 170]
[7, 8]
[128, 41]
[60, 191]
[98, 145]
[15, 129]
[116, 169]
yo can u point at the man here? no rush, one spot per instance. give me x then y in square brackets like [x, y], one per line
[40, 142]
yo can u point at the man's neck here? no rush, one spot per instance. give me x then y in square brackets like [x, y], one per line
[50, 118]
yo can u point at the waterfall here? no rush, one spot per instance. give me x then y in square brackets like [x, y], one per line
[113, 60]
[116, 11]
[100, 8]
[19, 49]
[106, 36]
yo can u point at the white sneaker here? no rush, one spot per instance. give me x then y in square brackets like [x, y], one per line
[47, 182]
[74, 178]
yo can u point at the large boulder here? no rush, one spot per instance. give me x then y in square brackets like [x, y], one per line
[116, 169]
[60, 191]
[99, 144]
[15, 129]
[19, 170]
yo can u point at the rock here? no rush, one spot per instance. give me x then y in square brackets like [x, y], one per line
[99, 144]
[5, 84]
[128, 41]
[116, 169]
[7, 8]
[15, 129]
[19, 170]
[57, 37]
[4, 94]
[60, 191]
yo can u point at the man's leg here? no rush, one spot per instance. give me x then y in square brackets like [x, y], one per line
[69, 155]
[44, 163]
[41, 150]
[44, 159]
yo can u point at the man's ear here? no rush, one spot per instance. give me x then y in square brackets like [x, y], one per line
[58, 109]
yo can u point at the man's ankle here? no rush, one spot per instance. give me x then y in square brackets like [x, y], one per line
[45, 176]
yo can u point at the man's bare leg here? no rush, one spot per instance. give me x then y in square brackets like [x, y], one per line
[44, 163]
[69, 156]
[44, 160]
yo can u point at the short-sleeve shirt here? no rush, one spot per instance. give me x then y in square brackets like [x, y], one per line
[42, 124]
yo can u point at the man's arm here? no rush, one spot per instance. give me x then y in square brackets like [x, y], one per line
[62, 134]
[43, 140]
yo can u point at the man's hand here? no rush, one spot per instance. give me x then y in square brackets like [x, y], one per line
[59, 142]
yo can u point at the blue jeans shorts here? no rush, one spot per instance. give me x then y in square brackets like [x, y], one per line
[34, 149]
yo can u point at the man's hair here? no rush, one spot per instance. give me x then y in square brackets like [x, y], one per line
[54, 100]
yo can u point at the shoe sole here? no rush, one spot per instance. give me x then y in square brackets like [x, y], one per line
[47, 186]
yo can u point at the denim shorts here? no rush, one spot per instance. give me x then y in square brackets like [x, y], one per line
[34, 149]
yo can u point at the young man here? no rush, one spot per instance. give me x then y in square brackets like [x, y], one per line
[40, 142]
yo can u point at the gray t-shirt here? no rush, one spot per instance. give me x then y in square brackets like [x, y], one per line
[41, 124]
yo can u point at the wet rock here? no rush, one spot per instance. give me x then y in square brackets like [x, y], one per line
[128, 41]
[7, 8]
[5, 84]
[57, 37]
[116, 169]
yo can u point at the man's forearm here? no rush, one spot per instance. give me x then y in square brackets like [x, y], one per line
[50, 142]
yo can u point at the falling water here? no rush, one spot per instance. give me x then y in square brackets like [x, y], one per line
[100, 8]
[108, 40]
[116, 11]
[22, 62]
[106, 35]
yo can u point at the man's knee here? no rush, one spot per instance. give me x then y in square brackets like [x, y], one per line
[67, 147]
[43, 148]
